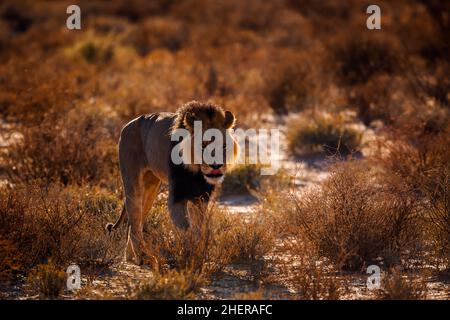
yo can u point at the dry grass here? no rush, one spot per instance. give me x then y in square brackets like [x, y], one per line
[242, 179]
[421, 161]
[10, 260]
[215, 240]
[358, 59]
[322, 132]
[48, 280]
[307, 273]
[397, 286]
[63, 224]
[253, 295]
[355, 217]
[66, 94]
[172, 285]
[74, 148]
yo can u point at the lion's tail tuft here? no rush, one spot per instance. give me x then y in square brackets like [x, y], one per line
[110, 227]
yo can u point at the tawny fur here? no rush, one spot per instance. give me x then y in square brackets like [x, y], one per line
[144, 158]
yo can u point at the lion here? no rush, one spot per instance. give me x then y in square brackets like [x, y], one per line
[146, 162]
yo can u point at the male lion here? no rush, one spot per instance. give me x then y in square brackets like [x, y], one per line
[145, 149]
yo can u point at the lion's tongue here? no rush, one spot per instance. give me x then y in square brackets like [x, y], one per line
[216, 171]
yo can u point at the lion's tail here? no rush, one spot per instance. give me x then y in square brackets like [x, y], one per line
[113, 226]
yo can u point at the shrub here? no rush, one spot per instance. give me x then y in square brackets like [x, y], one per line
[92, 52]
[171, 285]
[355, 217]
[432, 85]
[252, 239]
[52, 87]
[199, 250]
[49, 280]
[252, 295]
[138, 9]
[396, 286]
[417, 157]
[216, 239]
[287, 87]
[157, 33]
[372, 100]
[10, 260]
[438, 214]
[65, 224]
[421, 161]
[242, 179]
[316, 132]
[360, 58]
[73, 148]
[307, 273]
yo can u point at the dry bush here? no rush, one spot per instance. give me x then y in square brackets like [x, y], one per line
[322, 132]
[421, 161]
[397, 102]
[396, 286]
[216, 239]
[253, 235]
[73, 148]
[199, 250]
[358, 59]
[95, 50]
[137, 10]
[157, 33]
[437, 10]
[252, 295]
[30, 88]
[307, 273]
[372, 99]
[242, 179]
[18, 18]
[416, 156]
[48, 280]
[170, 285]
[357, 216]
[10, 260]
[438, 214]
[288, 86]
[432, 84]
[64, 224]
[416, 120]
[99, 51]
[252, 239]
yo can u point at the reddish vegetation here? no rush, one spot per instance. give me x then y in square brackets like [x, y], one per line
[64, 96]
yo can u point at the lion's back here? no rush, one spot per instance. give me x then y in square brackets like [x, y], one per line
[155, 134]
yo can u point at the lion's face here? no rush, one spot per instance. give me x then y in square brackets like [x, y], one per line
[214, 171]
[218, 149]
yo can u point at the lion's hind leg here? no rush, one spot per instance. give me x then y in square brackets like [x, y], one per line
[151, 188]
[151, 185]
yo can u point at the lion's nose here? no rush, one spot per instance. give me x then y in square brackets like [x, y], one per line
[216, 166]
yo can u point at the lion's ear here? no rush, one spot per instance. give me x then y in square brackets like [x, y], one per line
[189, 119]
[230, 119]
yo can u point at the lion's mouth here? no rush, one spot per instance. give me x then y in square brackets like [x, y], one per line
[214, 174]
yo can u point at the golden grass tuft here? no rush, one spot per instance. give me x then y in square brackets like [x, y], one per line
[48, 280]
[313, 132]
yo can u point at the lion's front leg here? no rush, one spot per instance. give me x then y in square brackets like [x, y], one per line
[179, 213]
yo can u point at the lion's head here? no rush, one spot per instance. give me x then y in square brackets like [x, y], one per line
[210, 147]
